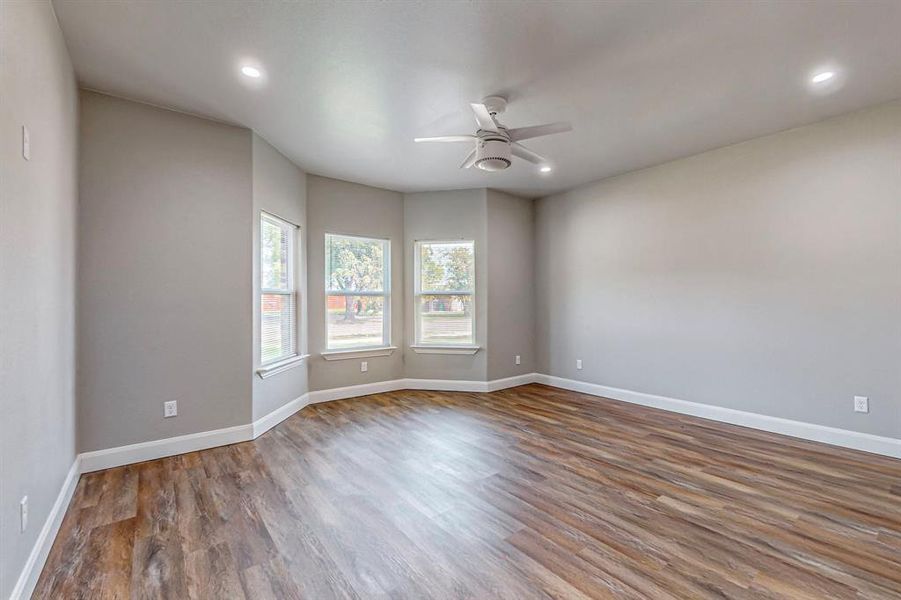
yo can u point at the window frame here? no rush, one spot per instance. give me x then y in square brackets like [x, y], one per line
[418, 344]
[292, 288]
[385, 294]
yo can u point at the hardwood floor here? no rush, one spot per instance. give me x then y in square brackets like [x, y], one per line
[531, 492]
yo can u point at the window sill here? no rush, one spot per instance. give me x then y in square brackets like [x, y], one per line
[361, 353]
[445, 349]
[281, 366]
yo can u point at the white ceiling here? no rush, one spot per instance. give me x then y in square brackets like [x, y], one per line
[348, 85]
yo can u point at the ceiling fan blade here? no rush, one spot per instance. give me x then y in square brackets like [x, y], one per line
[447, 138]
[483, 117]
[526, 154]
[525, 133]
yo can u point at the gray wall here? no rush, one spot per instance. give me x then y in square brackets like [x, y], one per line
[510, 285]
[450, 215]
[37, 274]
[164, 280]
[764, 276]
[335, 206]
[279, 188]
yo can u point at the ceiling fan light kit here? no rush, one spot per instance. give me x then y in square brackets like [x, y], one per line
[495, 145]
[492, 154]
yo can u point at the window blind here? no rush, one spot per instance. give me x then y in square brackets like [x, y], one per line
[278, 294]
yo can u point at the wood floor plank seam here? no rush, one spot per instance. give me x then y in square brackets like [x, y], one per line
[527, 492]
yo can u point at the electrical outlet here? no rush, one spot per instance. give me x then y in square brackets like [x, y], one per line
[364, 366]
[26, 143]
[170, 409]
[23, 513]
[518, 360]
[861, 404]
[579, 363]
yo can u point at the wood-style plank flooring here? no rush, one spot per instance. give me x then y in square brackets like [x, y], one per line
[531, 492]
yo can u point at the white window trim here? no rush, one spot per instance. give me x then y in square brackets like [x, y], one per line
[282, 366]
[281, 363]
[435, 349]
[370, 352]
[420, 347]
[345, 353]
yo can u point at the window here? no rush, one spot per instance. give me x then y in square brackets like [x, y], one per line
[278, 291]
[358, 293]
[443, 293]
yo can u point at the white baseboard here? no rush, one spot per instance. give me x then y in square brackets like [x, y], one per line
[508, 382]
[203, 440]
[135, 453]
[267, 422]
[352, 391]
[393, 385]
[457, 385]
[808, 431]
[123, 455]
[30, 573]
[445, 385]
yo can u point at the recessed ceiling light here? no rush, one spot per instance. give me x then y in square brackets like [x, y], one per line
[251, 71]
[823, 76]
[545, 169]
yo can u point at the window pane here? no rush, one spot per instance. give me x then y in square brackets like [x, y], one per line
[355, 264]
[446, 267]
[277, 327]
[273, 255]
[445, 320]
[355, 321]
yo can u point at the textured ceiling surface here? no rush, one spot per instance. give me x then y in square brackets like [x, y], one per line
[347, 86]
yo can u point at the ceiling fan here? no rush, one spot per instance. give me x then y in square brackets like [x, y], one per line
[493, 143]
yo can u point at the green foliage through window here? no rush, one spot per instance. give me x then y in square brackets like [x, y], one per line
[444, 293]
[355, 264]
[446, 267]
[357, 292]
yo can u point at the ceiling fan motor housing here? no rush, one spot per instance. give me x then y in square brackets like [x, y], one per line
[493, 154]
